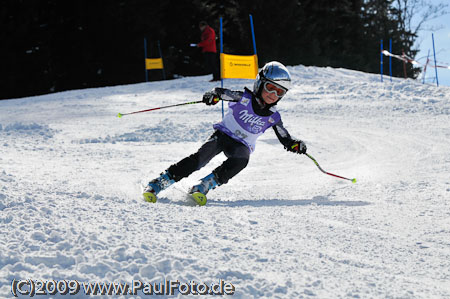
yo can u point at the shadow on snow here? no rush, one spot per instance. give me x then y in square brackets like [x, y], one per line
[316, 200]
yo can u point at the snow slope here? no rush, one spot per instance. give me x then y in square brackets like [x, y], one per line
[70, 205]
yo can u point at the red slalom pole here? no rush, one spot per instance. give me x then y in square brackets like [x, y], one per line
[152, 109]
[335, 175]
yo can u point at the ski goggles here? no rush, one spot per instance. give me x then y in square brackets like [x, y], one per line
[276, 89]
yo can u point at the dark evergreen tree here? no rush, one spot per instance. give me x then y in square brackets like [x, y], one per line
[381, 22]
[51, 45]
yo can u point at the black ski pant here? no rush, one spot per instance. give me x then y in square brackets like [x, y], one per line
[212, 64]
[237, 153]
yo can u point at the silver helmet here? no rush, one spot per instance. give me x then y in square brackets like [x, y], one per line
[273, 72]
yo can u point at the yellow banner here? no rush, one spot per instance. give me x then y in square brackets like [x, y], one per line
[238, 66]
[153, 63]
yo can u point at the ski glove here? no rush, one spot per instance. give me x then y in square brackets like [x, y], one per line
[211, 98]
[297, 146]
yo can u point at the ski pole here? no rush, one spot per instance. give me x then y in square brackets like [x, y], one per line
[338, 176]
[157, 108]
[151, 109]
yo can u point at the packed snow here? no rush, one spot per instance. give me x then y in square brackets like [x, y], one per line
[71, 174]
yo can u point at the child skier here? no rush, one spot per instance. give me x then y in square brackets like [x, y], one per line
[249, 115]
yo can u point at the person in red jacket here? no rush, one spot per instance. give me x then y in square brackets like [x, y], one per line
[208, 45]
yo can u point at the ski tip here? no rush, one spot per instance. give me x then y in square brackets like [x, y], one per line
[354, 181]
[199, 198]
[149, 197]
[119, 115]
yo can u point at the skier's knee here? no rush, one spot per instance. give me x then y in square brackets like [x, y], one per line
[243, 162]
[229, 169]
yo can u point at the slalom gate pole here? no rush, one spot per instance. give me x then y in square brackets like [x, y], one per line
[337, 176]
[145, 59]
[253, 34]
[220, 62]
[425, 67]
[163, 107]
[160, 55]
[435, 67]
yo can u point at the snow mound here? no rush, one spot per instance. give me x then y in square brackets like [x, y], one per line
[165, 131]
[29, 130]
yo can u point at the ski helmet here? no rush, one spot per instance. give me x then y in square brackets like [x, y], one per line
[273, 72]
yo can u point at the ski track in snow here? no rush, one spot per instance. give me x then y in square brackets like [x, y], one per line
[71, 208]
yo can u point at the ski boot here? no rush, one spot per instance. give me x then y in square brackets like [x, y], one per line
[157, 185]
[198, 192]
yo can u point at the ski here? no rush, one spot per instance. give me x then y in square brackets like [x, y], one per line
[149, 197]
[198, 198]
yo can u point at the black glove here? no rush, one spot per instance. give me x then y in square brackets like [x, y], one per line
[297, 146]
[211, 98]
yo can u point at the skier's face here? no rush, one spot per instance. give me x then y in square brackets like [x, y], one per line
[269, 97]
[272, 92]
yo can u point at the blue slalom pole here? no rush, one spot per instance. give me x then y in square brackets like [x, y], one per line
[253, 34]
[145, 59]
[254, 40]
[221, 36]
[390, 58]
[435, 64]
[381, 61]
[221, 51]
[160, 55]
